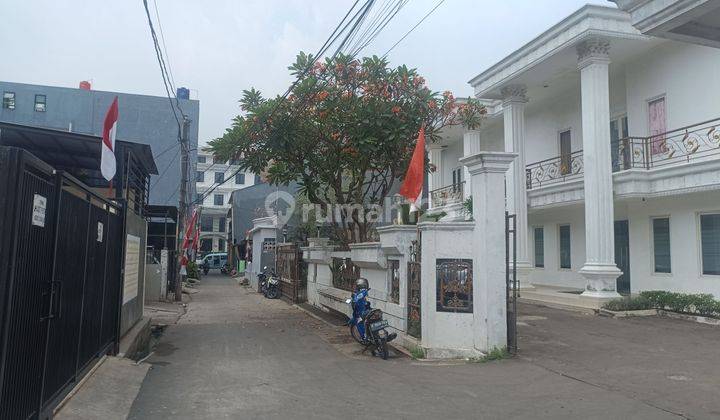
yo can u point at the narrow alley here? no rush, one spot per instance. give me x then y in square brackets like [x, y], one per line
[237, 355]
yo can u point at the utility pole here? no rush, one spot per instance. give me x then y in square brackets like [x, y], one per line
[183, 207]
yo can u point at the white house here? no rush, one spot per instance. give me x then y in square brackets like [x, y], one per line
[616, 186]
[215, 206]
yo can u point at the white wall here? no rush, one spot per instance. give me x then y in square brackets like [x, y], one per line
[688, 76]
[685, 251]
[551, 220]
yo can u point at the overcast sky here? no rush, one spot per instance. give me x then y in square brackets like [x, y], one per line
[217, 48]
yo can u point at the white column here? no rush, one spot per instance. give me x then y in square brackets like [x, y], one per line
[435, 180]
[471, 146]
[599, 270]
[487, 170]
[514, 100]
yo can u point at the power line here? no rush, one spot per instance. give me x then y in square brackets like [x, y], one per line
[162, 37]
[413, 28]
[362, 12]
[157, 181]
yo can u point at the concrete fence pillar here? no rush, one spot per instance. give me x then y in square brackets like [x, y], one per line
[487, 171]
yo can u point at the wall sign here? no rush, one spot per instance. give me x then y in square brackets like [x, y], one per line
[100, 232]
[132, 268]
[39, 210]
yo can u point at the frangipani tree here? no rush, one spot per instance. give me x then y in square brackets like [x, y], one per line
[345, 132]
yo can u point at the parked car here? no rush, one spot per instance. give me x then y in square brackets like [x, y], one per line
[214, 261]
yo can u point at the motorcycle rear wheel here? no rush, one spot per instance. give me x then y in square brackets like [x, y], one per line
[382, 349]
[272, 293]
[356, 334]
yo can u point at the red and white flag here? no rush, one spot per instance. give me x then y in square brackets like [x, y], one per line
[107, 159]
[412, 185]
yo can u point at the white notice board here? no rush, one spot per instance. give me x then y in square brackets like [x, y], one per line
[132, 268]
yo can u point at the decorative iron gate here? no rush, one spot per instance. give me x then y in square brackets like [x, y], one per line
[413, 292]
[511, 282]
[59, 283]
[293, 273]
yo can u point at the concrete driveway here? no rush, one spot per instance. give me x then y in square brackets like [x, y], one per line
[237, 355]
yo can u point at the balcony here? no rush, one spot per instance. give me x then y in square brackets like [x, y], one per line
[554, 170]
[452, 194]
[694, 143]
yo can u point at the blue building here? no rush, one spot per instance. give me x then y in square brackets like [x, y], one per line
[143, 119]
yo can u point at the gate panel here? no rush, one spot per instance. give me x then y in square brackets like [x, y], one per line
[511, 282]
[28, 300]
[414, 315]
[93, 289]
[113, 279]
[69, 276]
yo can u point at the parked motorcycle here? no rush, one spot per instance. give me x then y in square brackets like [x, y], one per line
[262, 281]
[367, 325]
[272, 291]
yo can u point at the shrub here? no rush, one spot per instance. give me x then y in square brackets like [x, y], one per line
[703, 304]
[629, 303]
[192, 270]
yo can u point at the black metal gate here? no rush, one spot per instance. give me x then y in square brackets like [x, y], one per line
[59, 283]
[511, 282]
[414, 316]
[292, 271]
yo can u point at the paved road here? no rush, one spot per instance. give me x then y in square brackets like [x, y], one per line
[236, 355]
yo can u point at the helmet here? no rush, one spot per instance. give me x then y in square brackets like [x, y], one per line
[361, 284]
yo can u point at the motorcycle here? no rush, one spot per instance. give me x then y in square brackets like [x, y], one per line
[262, 281]
[367, 325]
[272, 291]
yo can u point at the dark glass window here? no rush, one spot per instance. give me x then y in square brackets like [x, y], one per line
[202, 159]
[221, 224]
[257, 179]
[394, 273]
[239, 179]
[200, 176]
[221, 245]
[710, 240]
[539, 237]
[661, 244]
[219, 177]
[206, 224]
[565, 246]
[218, 200]
[40, 103]
[9, 100]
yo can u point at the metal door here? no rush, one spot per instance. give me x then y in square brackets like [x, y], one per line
[622, 256]
[28, 287]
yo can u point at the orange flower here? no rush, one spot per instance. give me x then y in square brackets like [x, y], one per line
[396, 110]
[432, 104]
[322, 95]
[322, 114]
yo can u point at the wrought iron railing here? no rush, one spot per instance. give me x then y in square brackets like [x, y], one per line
[447, 195]
[684, 144]
[553, 170]
[681, 145]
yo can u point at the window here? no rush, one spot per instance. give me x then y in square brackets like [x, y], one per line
[9, 100]
[565, 153]
[206, 224]
[219, 177]
[539, 237]
[218, 199]
[202, 159]
[221, 245]
[200, 176]
[710, 243]
[239, 179]
[661, 244]
[656, 125]
[234, 162]
[565, 246]
[257, 179]
[221, 224]
[394, 280]
[40, 103]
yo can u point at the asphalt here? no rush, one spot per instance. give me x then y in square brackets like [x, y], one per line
[237, 355]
